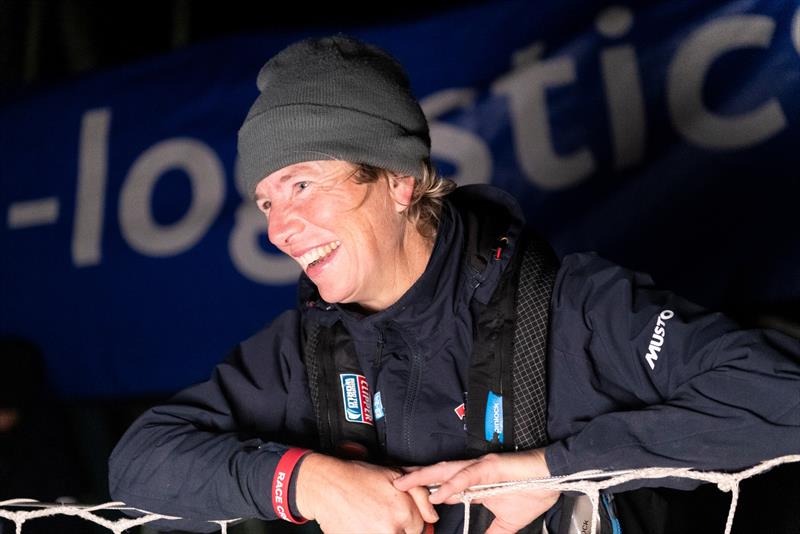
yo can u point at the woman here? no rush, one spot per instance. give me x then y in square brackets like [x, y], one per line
[398, 322]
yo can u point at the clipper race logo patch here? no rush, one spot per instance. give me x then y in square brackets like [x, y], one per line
[356, 398]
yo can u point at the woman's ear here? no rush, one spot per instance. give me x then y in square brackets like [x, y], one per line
[401, 189]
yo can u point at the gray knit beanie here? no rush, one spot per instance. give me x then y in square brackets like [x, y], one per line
[332, 98]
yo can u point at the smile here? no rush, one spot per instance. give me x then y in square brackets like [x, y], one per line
[315, 255]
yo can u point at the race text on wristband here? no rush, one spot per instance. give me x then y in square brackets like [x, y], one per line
[280, 484]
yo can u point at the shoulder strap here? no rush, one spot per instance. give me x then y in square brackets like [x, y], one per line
[336, 384]
[535, 287]
[489, 396]
[507, 396]
[508, 361]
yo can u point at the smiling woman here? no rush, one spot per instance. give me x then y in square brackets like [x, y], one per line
[434, 329]
[353, 240]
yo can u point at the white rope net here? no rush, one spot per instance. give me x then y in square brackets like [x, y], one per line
[32, 509]
[590, 483]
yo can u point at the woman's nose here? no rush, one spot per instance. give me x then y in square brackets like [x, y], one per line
[282, 225]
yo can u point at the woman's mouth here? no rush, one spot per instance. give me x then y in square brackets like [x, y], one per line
[318, 256]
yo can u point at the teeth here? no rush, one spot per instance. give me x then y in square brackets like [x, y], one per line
[316, 254]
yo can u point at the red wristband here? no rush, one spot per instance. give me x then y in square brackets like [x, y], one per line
[280, 484]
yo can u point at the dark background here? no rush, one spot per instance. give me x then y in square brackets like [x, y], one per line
[45, 42]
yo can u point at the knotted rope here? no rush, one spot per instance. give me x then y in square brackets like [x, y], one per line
[591, 483]
[19, 517]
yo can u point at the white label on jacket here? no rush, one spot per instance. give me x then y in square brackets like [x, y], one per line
[377, 404]
[657, 340]
[356, 398]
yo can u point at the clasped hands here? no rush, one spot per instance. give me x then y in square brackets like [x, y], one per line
[351, 496]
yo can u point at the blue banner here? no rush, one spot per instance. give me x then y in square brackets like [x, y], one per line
[662, 135]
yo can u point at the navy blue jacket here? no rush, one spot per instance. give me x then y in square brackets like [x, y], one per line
[636, 377]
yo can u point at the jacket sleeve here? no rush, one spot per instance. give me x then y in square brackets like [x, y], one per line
[643, 378]
[210, 453]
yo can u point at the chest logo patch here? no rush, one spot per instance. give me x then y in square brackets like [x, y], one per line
[493, 420]
[356, 398]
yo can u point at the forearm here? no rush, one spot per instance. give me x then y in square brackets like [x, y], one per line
[639, 377]
[698, 432]
[180, 470]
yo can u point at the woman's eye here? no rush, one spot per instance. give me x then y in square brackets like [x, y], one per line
[302, 185]
[265, 206]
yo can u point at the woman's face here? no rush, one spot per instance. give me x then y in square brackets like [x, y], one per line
[347, 237]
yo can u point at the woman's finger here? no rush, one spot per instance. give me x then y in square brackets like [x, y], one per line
[470, 475]
[420, 496]
[430, 475]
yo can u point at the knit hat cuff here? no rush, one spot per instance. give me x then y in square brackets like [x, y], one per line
[289, 134]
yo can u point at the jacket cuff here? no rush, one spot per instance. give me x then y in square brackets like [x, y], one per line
[282, 481]
[556, 457]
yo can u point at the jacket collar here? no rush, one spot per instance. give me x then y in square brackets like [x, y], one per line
[450, 280]
[431, 296]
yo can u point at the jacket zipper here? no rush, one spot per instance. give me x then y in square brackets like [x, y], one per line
[379, 357]
[415, 377]
[503, 401]
[328, 367]
[380, 426]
